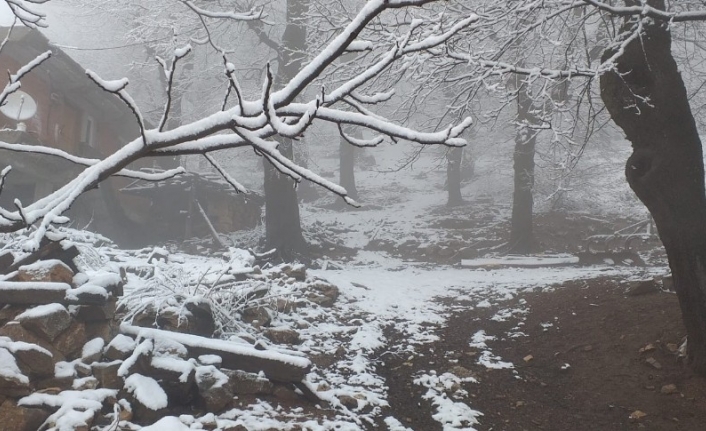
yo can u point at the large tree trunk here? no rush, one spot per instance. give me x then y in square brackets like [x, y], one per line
[346, 177]
[454, 159]
[521, 232]
[649, 102]
[282, 223]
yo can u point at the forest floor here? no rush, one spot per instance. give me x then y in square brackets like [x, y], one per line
[502, 348]
[579, 355]
[591, 358]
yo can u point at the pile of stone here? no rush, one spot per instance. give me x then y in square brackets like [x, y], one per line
[65, 362]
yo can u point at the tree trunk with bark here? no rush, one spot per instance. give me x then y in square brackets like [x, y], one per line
[521, 231]
[347, 168]
[346, 158]
[454, 159]
[648, 100]
[282, 222]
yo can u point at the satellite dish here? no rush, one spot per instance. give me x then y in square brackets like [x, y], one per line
[19, 106]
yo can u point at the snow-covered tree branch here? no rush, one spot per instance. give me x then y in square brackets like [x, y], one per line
[255, 123]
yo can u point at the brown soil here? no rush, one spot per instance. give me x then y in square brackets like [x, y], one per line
[598, 331]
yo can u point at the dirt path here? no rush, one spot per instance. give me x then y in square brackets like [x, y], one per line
[586, 370]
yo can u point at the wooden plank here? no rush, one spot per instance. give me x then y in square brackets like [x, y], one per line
[278, 367]
[521, 261]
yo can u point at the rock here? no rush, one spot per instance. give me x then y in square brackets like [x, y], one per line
[106, 329]
[92, 351]
[47, 270]
[348, 401]
[214, 390]
[282, 336]
[285, 306]
[148, 400]
[461, 372]
[6, 260]
[125, 410]
[637, 288]
[71, 341]
[107, 374]
[18, 418]
[201, 322]
[85, 383]
[35, 361]
[208, 421]
[175, 376]
[96, 313]
[637, 415]
[285, 393]
[17, 292]
[165, 346]
[88, 294]
[82, 370]
[119, 348]
[47, 321]
[12, 382]
[195, 318]
[648, 348]
[668, 389]
[297, 272]
[17, 332]
[654, 363]
[242, 383]
[323, 294]
[55, 384]
[257, 316]
[528, 358]
[8, 312]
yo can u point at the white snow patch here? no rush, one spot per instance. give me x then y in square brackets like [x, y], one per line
[93, 347]
[40, 311]
[9, 369]
[146, 391]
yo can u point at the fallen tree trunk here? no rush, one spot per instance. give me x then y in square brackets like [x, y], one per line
[278, 367]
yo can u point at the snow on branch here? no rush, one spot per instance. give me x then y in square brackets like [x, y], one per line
[56, 152]
[239, 188]
[252, 15]
[448, 137]
[179, 53]
[338, 46]
[27, 15]
[395, 54]
[14, 81]
[503, 68]
[361, 143]
[257, 123]
[118, 88]
[648, 11]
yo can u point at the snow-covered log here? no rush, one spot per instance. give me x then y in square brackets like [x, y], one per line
[276, 366]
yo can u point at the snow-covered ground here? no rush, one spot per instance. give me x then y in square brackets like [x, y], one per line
[380, 292]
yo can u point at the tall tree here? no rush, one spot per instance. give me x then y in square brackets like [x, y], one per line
[522, 239]
[283, 230]
[646, 97]
[454, 161]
